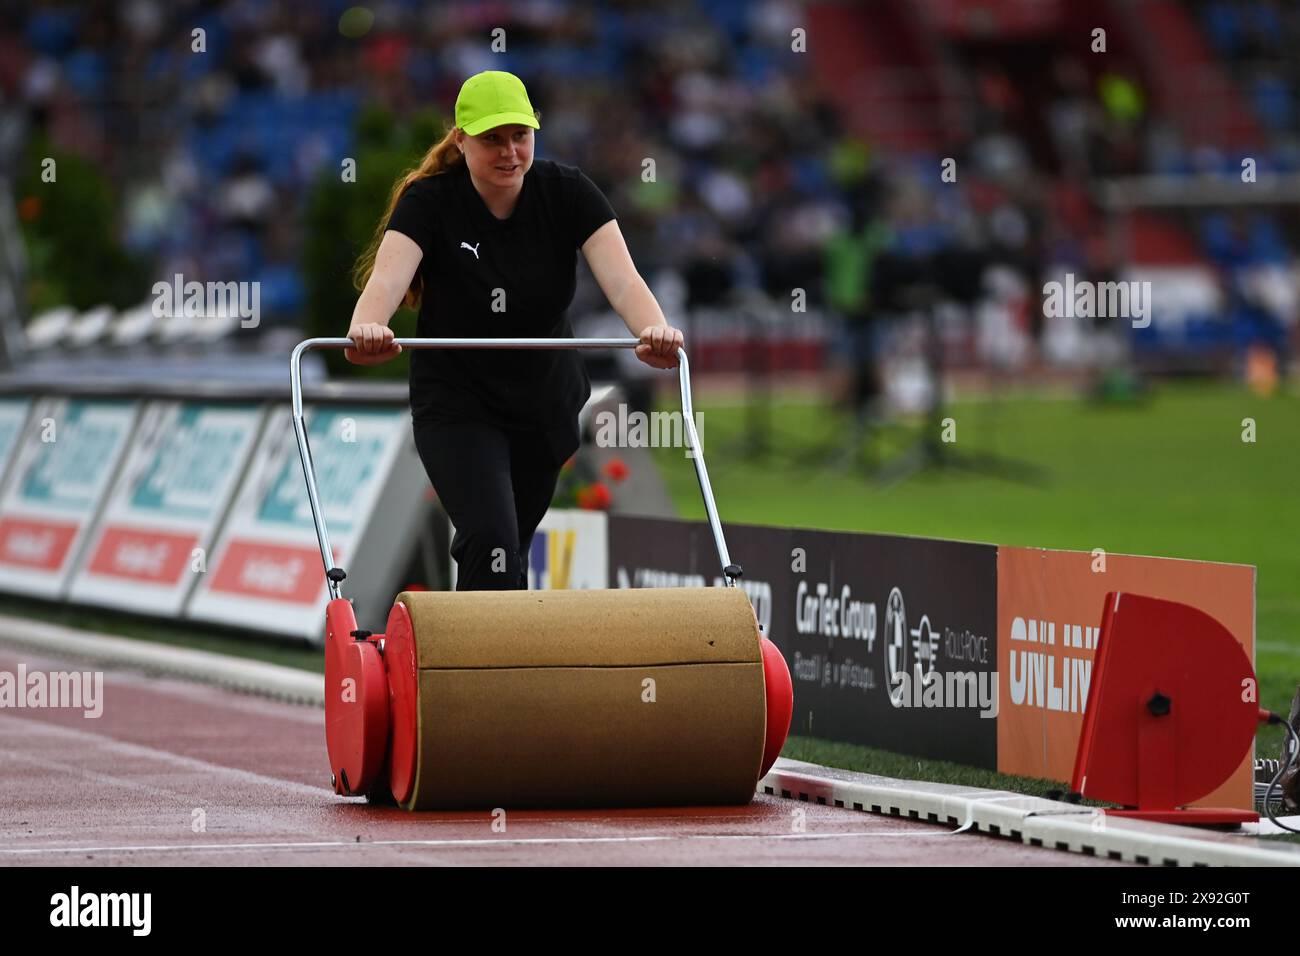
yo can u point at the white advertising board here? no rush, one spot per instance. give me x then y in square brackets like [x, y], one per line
[64, 464]
[265, 571]
[181, 472]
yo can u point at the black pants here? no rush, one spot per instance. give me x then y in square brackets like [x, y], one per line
[495, 485]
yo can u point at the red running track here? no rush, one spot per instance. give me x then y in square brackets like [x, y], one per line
[184, 775]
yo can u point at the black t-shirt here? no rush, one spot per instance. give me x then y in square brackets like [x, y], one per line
[490, 278]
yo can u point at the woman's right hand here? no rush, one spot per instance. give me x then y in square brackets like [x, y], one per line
[372, 344]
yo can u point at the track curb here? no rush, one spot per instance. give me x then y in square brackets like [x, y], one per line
[1026, 819]
[206, 667]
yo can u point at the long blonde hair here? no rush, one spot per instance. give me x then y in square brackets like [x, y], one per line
[440, 158]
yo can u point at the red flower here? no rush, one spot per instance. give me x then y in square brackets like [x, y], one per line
[595, 497]
[616, 469]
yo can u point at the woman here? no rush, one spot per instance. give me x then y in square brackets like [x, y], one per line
[482, 239]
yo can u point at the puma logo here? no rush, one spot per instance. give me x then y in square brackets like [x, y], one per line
[473, 248]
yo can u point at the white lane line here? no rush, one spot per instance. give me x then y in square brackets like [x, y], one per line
[94, 776]
[121, 747]
[522, 841]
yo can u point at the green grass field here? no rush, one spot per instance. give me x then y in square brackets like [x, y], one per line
[1169, 476]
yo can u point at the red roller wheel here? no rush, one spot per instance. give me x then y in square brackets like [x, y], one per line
[399, 657]
[356, 702]
[780, 702]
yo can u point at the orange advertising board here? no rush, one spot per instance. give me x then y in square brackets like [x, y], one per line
[1049, 615]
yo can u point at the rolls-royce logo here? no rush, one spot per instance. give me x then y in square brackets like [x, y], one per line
[925, 648]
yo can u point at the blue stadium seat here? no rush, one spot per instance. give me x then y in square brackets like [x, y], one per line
[1273, 102]
[731, 15]
[1266, 241]
[812, 176]
[282, 292]
[87, 72]
[757, 65]
[1223, 24]
[52, 31]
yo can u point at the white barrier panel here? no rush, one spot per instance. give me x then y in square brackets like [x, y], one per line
[13, 416]
[151, 544]
[569, 551]
[265, 571]
[64, 465]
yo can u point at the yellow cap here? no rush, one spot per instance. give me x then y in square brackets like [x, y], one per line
[493, 98]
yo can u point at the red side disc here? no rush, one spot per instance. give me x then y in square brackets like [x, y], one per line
[780, 702]
[403, 690]
[356, 703]
[1133, 754]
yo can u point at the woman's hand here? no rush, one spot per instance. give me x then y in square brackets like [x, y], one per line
[659, 345]
[373, 344]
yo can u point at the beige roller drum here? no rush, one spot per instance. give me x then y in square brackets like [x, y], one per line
[521, 699]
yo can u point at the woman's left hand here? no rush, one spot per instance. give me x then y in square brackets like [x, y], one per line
[659, 345]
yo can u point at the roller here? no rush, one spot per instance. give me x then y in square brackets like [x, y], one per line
[474, 700]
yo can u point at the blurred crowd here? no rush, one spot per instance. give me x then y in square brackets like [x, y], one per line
[213, 151]
[759, 186]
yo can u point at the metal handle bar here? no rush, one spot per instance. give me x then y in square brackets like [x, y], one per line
[335, 575]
